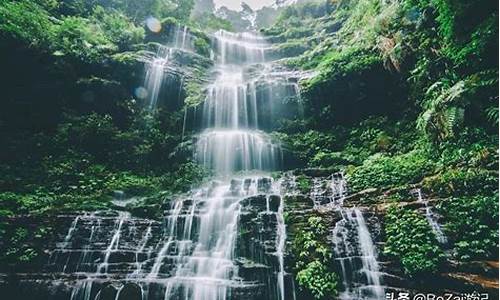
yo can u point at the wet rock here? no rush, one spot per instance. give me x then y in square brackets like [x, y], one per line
[108, 292]
[264, 185]
[130, 291]
[235, 186]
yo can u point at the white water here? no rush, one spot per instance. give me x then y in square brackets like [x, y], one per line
[160, 63]
[353, 247]
[194, 258]
[231, 140]
[204, 270]
[280, 249]
[329, 192]
[356, 254]
[431, 218]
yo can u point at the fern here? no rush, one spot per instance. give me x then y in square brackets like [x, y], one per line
[492, 114]
[444, 107]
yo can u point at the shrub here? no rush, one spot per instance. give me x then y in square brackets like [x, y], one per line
[472, 226]
[382, 171]
[25, 21]
[83, 40]
[118, 28]
[304, 184]
[313, 260]
[411, 241]
[462, 181]
[315, 277]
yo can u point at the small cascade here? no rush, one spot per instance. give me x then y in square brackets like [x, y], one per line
[205, 269]
[280, 249]
[328, 192]
[155, 72]
[115, 241]
[238, 48]
[226, 151]
[142, 247]
[355, 253]
[338, 186]
[431, 218]
[160, 64]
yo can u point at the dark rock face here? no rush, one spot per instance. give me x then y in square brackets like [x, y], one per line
[111, 254]
[117, 251]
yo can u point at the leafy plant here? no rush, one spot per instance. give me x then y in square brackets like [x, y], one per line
[313, 265]
[382, 171]
[472, 225]
[304, 184]
[318, 280]
[411, 241]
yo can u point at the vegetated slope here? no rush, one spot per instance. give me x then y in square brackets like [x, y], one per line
[73, 126]
[405, 97]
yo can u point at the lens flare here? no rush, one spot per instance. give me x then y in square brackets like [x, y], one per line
[141, 93]
[153, 24]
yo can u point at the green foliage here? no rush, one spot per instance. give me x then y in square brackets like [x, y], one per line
[211, 22]
[118, 27]
[304, 184]
[82, 39]
[382, 171]
[336, 64]
[473, 148]
[25, 21]
[184, 177]
[15, 204]
[472, 226]
[411, 241]
[312, 9]
[462, 181]
[307, 145]
[316, 279]
[137, 10]
[313, 262]
[202, 47]
[133, 184]
[446, 102]
[22, 244]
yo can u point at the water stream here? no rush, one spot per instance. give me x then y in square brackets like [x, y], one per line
[431, 218]
[199, 251]
[354, 250]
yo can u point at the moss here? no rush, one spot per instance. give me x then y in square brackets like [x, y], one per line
[304, 184]
[202, 47]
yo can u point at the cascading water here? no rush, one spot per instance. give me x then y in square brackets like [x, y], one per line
[354, 251]
[160, 63]
[431, 218]
[356, 254]
[200, 252]
[231, 140]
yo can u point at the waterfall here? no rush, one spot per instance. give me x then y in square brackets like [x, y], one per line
[200, 251]
[355, 253]
[431, 218]
[280, 249]
[354, 250]
[231, 140]
[160, 64]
